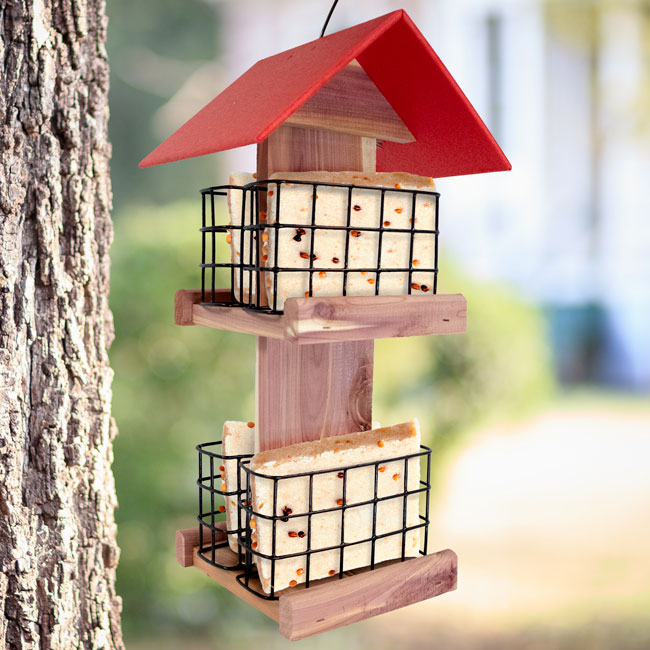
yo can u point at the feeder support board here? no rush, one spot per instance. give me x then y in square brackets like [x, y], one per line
[306, 393]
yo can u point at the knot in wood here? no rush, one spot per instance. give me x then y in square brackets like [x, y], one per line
[324, 310]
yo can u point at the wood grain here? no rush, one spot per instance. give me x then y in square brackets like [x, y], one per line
[185, 299]
[189, 311]
[331, 603]
[298, 149]
[186, 540]
[312, 392]
[237, 319]
[307, 321]
[307, 393]
[334, 604]
[351, 103]
[345, 318]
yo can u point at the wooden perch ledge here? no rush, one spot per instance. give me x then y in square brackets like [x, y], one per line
[329, 320]
[330, 603]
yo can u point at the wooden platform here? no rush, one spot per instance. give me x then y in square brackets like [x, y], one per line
[330, 320]
[331, 603]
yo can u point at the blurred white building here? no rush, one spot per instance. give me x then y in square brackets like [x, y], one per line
[560, 85]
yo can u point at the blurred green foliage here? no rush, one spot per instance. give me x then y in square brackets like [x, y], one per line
[174, 387]
[454, 384]
[153, 46]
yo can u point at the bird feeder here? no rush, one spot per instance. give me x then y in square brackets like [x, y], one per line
[374, 98]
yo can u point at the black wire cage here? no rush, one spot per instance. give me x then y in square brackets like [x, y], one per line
[376, 241]
[279, 518]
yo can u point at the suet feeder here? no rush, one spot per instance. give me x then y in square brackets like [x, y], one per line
[331, 244]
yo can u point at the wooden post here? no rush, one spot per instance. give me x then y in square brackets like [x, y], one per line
[311, 392]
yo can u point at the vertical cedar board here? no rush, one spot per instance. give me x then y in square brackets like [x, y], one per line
[351, 103]
[298, 149]
[309, 392]
[323, 389]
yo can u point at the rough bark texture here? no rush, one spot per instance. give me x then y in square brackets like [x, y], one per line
[57, 499]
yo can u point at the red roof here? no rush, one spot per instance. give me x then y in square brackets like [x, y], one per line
[451, 139]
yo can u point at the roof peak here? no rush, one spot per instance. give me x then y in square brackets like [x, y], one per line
[450, 137]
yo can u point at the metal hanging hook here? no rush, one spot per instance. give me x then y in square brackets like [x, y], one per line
[327, 20]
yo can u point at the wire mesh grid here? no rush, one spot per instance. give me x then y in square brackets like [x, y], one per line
[262, 226]
[249, 519]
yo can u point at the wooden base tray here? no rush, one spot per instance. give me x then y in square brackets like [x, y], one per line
[331, 603]
[331, 320]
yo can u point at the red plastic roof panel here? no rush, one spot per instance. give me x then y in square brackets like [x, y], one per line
[451, 138]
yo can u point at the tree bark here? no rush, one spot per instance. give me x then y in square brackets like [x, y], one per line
[57, 498]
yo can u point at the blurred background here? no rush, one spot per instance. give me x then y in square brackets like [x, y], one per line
[539, 417]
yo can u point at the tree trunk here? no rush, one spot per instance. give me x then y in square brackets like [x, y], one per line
[57, 498]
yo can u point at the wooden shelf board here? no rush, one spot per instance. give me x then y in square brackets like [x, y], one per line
[332, 603]
[330, 320]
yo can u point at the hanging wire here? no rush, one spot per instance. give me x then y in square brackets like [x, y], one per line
[327, 20]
